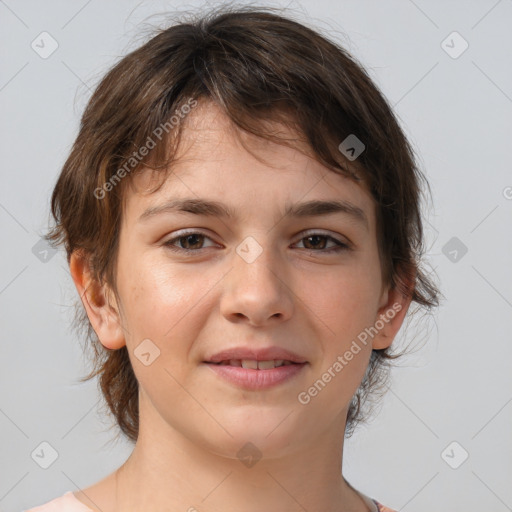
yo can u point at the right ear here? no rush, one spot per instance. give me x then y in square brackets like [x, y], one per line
[99, 303]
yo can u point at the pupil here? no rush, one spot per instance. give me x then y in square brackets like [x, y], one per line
[189, 237]
[315, 237]
[196, 237]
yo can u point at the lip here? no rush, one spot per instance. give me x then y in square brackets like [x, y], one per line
[262, 354]
[254, 380]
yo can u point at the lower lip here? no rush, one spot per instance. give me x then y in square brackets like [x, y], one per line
[250, 379]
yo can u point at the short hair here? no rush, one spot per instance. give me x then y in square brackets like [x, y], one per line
[256, 65]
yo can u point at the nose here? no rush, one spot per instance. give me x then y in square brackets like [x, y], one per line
[257, 291]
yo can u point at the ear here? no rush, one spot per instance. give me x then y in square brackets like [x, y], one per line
[390, 316]
[99, 303]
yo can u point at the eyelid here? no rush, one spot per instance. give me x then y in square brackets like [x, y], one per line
[185, 232]
[340, 245]
[310, 232]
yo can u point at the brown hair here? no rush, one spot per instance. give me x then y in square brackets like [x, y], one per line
[257, 65]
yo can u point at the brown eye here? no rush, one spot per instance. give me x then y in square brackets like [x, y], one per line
[187, 242]
[191, 241]
[316, 242]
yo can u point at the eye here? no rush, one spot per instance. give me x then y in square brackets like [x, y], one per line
[317, 242]
[189, 242]
[192, 241]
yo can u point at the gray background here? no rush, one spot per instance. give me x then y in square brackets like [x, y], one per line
[457, 112]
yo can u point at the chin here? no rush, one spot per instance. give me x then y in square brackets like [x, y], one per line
[268, 433]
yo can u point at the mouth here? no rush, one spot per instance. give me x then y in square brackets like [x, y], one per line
[254, 364]
[253, 375]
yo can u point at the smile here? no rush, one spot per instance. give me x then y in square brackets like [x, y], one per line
[256, 365]
[255, 375]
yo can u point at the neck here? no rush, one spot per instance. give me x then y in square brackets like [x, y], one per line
[169, 471]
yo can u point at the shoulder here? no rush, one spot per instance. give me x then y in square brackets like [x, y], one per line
[65, 503]
[382, 508]
[372, 504]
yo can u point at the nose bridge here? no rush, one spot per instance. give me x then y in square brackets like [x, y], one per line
[257, 264]
[256, 286]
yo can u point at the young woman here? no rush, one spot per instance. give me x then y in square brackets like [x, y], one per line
[241, 216]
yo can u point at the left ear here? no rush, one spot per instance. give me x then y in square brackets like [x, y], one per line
[390, 316]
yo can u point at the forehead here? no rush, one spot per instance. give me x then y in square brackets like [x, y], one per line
[217, 159]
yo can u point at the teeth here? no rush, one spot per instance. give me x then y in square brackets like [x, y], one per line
[266, 365]
[256, 365]
[247, 363]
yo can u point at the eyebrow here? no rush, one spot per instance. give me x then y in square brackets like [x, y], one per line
[207, 208]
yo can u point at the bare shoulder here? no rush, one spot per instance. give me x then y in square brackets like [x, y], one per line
[99, 497]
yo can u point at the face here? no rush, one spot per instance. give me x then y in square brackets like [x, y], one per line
[194, 284]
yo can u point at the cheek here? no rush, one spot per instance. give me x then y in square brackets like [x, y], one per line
[158, 306]
[345, 300]
[162, 302]
[344, 305]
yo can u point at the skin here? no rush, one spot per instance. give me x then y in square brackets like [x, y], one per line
[294, 295]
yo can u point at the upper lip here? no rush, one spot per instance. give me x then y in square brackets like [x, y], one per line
[253, 354]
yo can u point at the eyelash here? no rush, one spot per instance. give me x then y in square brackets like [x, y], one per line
[340, 246]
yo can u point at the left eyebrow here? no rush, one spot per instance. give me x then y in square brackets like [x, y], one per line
[209, 208]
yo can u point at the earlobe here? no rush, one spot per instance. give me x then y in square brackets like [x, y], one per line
[104, 316]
